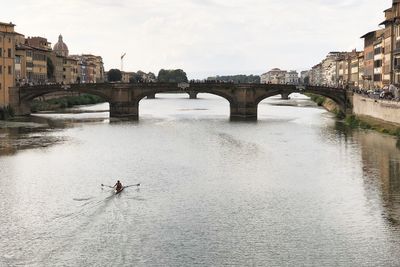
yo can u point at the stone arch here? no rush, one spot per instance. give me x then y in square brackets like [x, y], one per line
[22, 105]
[268, 94]
[27, 97]
[152, 91]
[339, 96]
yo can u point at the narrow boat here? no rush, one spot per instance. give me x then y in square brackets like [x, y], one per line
[119, 191]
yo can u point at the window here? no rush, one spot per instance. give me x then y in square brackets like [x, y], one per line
[0, 86]
[377, 77]
[9, 52]
[1, 52]
[1, 69]
[377, 63]
[396, 61]
[9, 40]
[9, 70]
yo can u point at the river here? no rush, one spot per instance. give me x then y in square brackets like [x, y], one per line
[295, 188]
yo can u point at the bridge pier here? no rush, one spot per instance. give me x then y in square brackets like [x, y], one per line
[151, 96]
[192, 95]
[20, 107]
[244, 112]
[285, 96]
[127, 110]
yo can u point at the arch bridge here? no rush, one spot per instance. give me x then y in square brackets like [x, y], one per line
[124, 98]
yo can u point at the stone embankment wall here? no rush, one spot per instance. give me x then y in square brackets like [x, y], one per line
[330, 105]
[385, 110]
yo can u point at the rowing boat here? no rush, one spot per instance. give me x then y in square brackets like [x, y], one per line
[119, 191]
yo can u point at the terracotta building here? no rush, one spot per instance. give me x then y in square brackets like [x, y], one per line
[36, 59]
[7, 57]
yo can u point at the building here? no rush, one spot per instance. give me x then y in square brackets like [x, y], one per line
[382, 51]
[361, 71]
[70, 70]
[354, 68]
[60, 48]
[330, 66]
[7, 58]
[338, 69]
[20, 59]
[316, 75]
[127, 76]
[274, 76]
[90, 68]
[292, 77]
[36, 59]
[84, 68]
[58, 58]
[305, 77]
[369, 77]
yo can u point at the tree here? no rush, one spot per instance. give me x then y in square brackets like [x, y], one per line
[114, 75]
[172, 76]
[50, 69]
[136, 78]
[237, 78]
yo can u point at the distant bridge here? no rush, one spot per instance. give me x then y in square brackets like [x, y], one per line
[124, 98]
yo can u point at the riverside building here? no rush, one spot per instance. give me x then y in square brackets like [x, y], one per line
[7, 57]
[274, 76]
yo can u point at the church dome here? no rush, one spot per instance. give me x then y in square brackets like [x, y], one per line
[61, 48]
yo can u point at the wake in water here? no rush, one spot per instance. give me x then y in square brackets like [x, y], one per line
[65, 229]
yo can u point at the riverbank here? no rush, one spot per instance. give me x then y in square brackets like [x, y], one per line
[327, 103]
[6, 113]
[65, 102]
[375, 114]
[364, 108]
[370, 123]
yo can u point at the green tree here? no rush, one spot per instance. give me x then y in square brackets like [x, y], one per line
[135, 78]
[172, 76]
[50, 69]
[237, 78]
[114, 75]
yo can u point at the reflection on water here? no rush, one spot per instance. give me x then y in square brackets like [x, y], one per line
[380, 159]
[19, 135]
[295, 188]
[381, 164]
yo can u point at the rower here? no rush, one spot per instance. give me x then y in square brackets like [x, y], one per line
[118, 186]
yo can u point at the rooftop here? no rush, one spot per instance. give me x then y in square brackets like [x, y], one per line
[7, 24]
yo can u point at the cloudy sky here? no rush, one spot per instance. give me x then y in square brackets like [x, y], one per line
[203, 37]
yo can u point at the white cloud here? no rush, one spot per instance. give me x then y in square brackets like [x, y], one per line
[201, 36]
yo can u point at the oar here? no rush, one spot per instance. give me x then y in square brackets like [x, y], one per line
[133, 185]
[137, 185]
[107, 186]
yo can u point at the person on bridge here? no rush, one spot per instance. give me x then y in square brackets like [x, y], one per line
[118, 186]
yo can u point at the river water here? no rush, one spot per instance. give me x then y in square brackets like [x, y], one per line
[295, 188]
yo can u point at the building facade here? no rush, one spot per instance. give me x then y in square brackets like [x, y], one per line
[7, 58]
[274, 76]
[292, 77]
